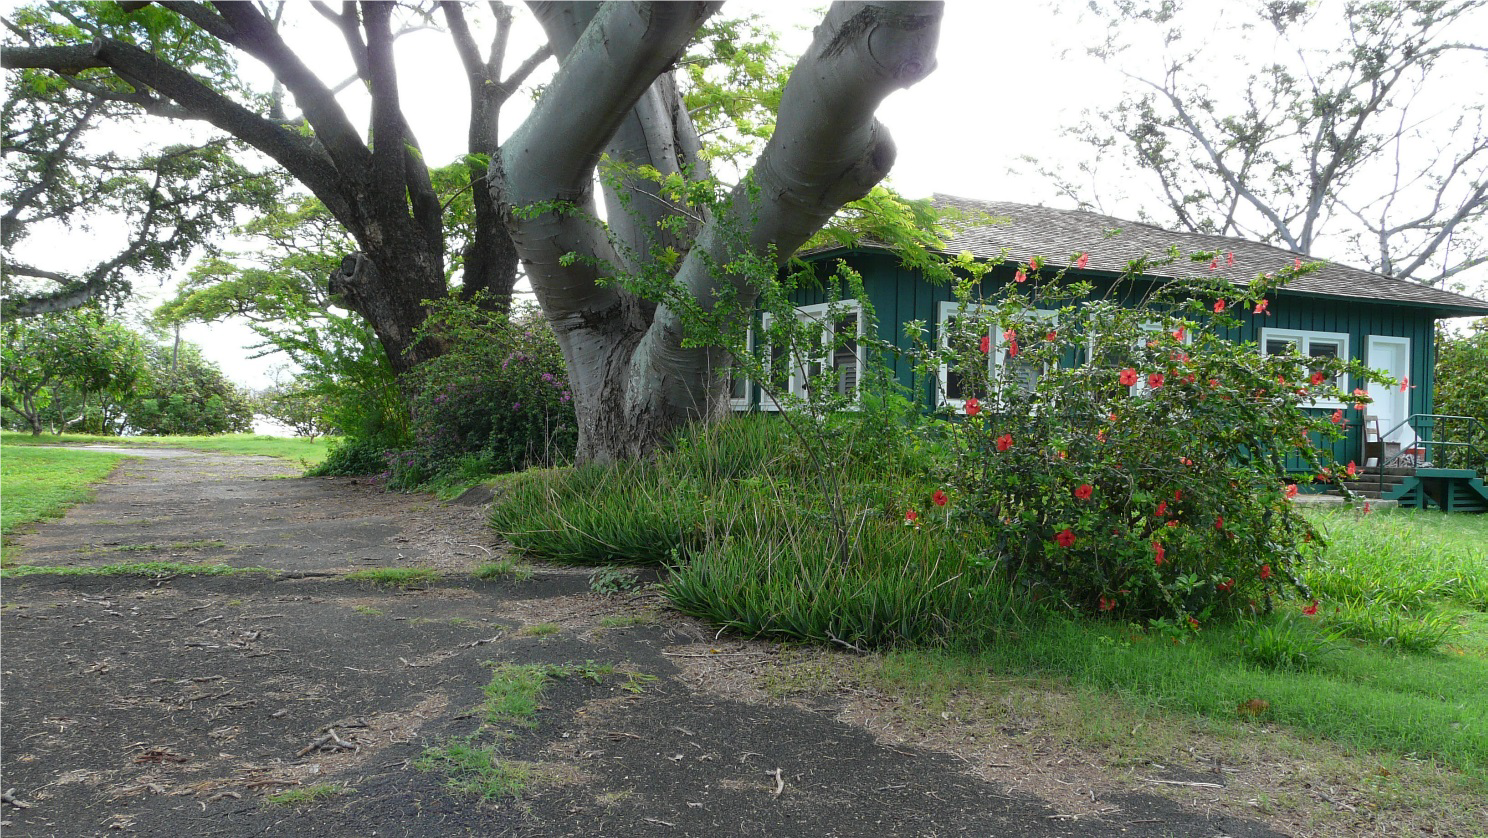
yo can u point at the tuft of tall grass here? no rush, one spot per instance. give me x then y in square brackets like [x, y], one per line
[898, 586]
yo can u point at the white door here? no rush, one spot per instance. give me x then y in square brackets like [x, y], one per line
[1391, 356]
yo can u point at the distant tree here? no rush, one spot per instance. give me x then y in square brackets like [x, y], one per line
[1358, 132]
[297, 405]
[63, 369]
[1462, 388]
[184, 393]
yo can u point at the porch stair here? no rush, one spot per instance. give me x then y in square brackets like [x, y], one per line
[1447, 489]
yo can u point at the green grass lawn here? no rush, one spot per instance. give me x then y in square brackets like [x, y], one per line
[299, 450]
[37, 483]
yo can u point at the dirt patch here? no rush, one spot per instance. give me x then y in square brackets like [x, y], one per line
[191, 705]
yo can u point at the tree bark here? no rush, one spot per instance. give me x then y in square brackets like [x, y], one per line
[633, 376]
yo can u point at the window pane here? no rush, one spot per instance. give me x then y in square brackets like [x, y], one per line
[845, 355]
[1279, 346]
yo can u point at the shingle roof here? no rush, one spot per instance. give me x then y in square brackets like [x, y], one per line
[1056, 235]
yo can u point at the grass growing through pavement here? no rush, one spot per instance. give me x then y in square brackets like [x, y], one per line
[396, 577]
[299, 450]
[307, 794]
[144, 569]
[473, 765]
[503, 568]
[40, 483]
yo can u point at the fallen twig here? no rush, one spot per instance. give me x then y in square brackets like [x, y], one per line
[201, 623]
[1182, 783]
[8, 796]
[472, 644]
[846, 645]
[406, 662]
[779, 782]
[328, 738]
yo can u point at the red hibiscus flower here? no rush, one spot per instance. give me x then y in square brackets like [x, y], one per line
[973, 407]
[1186, 461]
[1178, 494]
[1317, 377]
[939, 498]
[1214, 265]
[1004, 442]
[1291, 490]
[1051, 336]
[1012, 349]
[1219, 306]
[1230, 259]
[1080, 263]
[1162, 509]
[1338, 416]
[1107, 604]
[1020, 276]
[1261, 306]
[1083, 491]
[911, 516]
[1311, 610]
[1009, 334]
[1226, 585]
[1158, 553]
[1193, 623]
[1265, 571]
[1155, 380]
[1359, 406]
[1214, 384]
[1128, 377]
[1219, 522]
[1101, 436]
[1296, 263]
[1180, 334]
[1065, 538]
[986, 344]
[1352, 469]
[1404, 384]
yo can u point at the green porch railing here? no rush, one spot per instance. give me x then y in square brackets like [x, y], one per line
[1425, 427]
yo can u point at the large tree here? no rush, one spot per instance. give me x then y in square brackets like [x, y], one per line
[634, 372]
[1353, 130]
[372, 179]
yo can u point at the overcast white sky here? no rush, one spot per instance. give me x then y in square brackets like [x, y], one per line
[1009, 75]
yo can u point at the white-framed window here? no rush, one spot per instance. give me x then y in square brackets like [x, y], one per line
[840, 350]
[739, 383]
[1309, 345]
[952, 381]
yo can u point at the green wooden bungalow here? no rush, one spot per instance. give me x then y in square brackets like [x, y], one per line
[1337, 310]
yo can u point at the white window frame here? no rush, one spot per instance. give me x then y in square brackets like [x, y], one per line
[1150, 327]
[796, 384]
[741, 404]
[995, 359]
[1303, 339]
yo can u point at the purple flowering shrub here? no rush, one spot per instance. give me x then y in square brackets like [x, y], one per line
[497, 401]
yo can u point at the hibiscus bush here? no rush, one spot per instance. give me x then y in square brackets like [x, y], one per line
[1128, 458]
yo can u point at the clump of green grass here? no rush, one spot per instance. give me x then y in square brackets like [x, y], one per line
[614, 621]
[1281, 643]
[1392, 626]
[367, 611]
[475, 770]
[307, 794]
[541, 629]
[502, 569]
[147, 569]
[513, 692]
[396, 577]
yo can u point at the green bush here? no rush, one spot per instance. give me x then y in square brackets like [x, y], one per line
[1462, 390]
[497, 401]
[352, 456]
